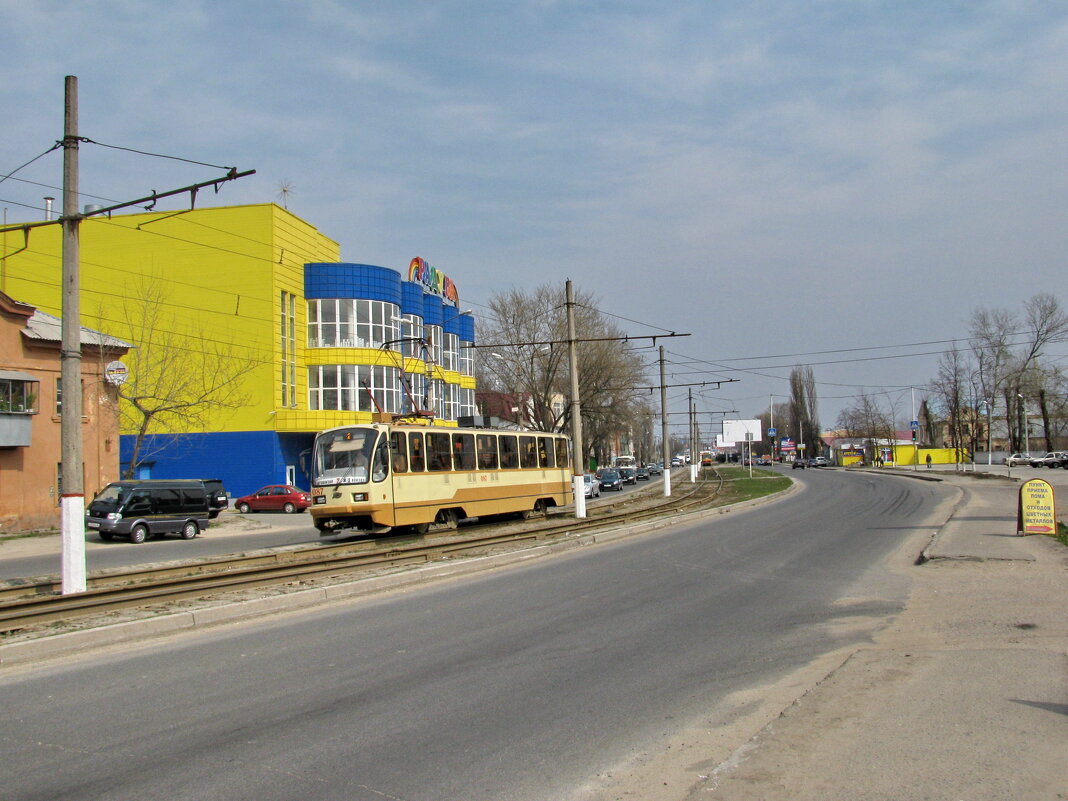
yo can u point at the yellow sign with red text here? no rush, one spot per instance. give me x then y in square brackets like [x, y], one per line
[1037, 512]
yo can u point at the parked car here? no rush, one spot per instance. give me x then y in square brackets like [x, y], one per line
[217, 499]
[591, 485]
[799, 464]
[1049, 459]
[629, 475]
[820, 461]
[611, 480]
[140, 509]
[273, 498]
[1017, 459]
[642, 474]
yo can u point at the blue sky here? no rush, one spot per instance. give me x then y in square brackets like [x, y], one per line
[778, 179]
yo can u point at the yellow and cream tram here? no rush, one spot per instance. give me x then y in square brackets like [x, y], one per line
[377, 477]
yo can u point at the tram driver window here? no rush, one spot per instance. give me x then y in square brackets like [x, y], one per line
[380, 465]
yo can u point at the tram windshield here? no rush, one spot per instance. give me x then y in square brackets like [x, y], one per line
[342, 457]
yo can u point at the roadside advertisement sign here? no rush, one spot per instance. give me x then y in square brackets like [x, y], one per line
[1037, 511]
[786, 445]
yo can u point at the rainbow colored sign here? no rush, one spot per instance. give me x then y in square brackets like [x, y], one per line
[433, 280]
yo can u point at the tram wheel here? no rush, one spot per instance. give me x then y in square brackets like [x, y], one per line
[448, 519]
[538, 510]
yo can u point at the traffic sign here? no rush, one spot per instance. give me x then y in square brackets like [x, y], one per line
[772, 432]
[915, 425]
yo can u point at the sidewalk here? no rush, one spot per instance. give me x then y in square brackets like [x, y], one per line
[964, 696]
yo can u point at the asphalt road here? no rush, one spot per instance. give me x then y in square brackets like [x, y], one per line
[228, 534]
[523, 684]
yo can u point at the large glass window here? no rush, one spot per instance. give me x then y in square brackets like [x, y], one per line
[351, 323]
[433, 333]
[349, 387]
[467, 361]
[450, 352]
[412, 336]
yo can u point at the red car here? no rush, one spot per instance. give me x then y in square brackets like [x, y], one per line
[274, 498]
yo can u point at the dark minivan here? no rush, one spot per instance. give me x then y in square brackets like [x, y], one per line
[139, 509]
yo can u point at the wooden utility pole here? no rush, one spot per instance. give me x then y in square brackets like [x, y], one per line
[72, 495]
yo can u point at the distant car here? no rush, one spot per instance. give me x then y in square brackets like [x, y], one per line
[274, 498]
[656, 469]
[1018, 459]
[1050, 459]
[611, 480]
[820, 461]
[592, 485]
[677, 462]
[642, 474]
[629, 475]
[800, 464]
[763, 460]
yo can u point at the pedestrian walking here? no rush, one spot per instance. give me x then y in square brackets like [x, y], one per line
[928, 461]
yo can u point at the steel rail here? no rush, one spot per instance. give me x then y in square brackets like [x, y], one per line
[145, 587]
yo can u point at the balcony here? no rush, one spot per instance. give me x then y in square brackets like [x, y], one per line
[15, 429]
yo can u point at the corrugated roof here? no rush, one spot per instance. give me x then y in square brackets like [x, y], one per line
[46, 328]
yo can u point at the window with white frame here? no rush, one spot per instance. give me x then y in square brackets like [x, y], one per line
[351, 323]
[467, 402]
[350, 387]
[467, 362]
[432, 333]
[412, 336]
[450, 352]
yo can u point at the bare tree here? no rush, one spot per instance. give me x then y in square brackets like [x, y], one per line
[536, 373]
[179, 374]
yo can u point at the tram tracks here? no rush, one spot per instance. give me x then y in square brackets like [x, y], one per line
[31, 605]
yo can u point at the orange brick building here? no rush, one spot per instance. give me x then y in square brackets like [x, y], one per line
[30, 415]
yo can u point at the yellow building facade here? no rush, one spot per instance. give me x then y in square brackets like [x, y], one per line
[217, 301]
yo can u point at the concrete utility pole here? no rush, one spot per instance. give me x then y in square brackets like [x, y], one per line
[577, 457]
[72, 496]
[665, 445]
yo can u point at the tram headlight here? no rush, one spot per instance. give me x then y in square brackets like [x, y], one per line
[357, 497]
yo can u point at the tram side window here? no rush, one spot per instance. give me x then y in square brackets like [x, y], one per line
[509, 452]
[562, 456]
[463, 451]
[417, 462]
[545, 452]
[398, 446]
[438, 453]
[528, 452]
[486, 445]
[380, 465]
